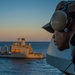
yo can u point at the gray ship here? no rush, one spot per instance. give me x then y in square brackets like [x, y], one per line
[20, 51]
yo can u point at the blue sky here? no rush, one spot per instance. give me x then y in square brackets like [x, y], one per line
[25, 18]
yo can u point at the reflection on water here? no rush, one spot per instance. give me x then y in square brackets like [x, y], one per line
[26, 67]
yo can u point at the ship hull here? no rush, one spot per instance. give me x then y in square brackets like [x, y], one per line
[12, 55]
[18, 55]
[60, 59]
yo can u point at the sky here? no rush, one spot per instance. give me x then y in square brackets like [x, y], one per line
[25, 18]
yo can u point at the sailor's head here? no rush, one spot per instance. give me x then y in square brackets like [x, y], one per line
[63, 23]
[63, 16]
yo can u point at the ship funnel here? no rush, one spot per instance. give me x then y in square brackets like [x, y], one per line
[23, 43]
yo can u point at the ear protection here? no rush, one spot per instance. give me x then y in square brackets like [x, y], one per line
[60, 20]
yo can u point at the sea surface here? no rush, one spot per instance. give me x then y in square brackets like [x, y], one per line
[9, 66]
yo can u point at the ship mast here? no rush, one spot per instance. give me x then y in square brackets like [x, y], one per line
[18, 40]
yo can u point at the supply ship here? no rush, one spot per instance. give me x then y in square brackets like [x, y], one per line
[20, 50]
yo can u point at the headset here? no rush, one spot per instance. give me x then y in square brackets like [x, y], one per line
[61, 20]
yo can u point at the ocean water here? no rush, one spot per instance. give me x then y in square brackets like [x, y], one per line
[9, 66]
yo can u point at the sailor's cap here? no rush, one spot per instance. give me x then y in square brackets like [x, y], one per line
[70, 9]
